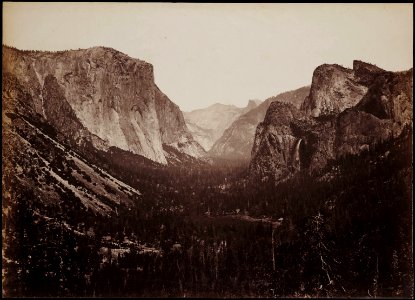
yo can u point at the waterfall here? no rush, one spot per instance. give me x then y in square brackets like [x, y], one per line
[296, 157]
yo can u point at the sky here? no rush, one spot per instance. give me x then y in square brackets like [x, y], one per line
[222, 53]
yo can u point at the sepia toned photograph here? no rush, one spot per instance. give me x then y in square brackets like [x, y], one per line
[221, 150]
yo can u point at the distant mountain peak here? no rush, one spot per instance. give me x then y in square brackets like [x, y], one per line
[252, 104]
[208, 124]
[219, 105]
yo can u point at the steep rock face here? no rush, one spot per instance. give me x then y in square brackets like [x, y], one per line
[390, 97]
[57, 109]
[288, 141]
[111, 94]
[237, 140]
[382, 112]
[173, 128]
[208, 124]
[357, 130]
[60, 114]
[335, 88]
[15, 98]
[276, 149]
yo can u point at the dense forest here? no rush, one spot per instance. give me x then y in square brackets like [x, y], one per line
[207, 229]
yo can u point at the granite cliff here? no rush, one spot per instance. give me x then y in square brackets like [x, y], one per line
[335, 88]
[346, 112]
[277, 150]
[102, 95]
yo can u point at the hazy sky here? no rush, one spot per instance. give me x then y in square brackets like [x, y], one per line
[228, 53]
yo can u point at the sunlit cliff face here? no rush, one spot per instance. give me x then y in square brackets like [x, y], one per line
[113, 96]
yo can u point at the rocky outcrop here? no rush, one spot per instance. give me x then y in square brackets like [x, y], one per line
[112, 95]
[208, 124]
[335, 88]
[382, 113]
[276, 148]
[357, 130]
[237, 140]
[336, 119]
[390, 97]
[288, 141]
